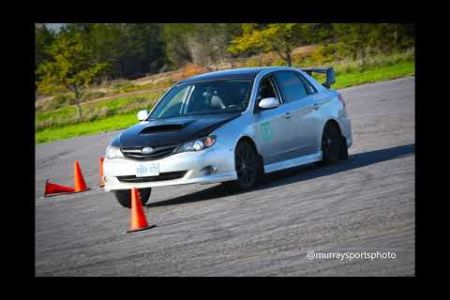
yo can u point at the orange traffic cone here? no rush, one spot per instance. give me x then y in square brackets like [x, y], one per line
[101, 182]
[53, 188]
[78, 179]
[138, 221]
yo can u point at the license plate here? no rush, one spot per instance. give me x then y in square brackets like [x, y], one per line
[147, 169]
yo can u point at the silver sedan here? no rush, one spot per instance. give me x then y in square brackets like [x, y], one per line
[230, 126]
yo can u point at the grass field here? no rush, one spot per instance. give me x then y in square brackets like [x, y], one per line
[121, 112]
[373, 75]
[95, 110]
[97, 126]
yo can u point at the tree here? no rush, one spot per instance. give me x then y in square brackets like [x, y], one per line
[72, 65]
[176, 48]
[108, 44]
[281, 38]
[144, 52]
[43, 38]
[198, 43]
[359, 40]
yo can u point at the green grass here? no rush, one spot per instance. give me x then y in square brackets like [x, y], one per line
[124, 108]
[97, 126]
[373, 75]
[94, 110]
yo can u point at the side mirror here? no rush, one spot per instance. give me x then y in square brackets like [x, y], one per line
[142, 114]
[268, 103]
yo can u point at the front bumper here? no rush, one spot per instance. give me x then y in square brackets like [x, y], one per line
[218, 158]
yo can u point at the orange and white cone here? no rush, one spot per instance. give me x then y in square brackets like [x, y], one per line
[138, 221]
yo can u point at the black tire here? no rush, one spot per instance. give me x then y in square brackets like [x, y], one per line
[248, 167]
[124, 196]
[331, 143]
[343, 154]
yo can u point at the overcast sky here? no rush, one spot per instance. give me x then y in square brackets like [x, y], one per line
[54, 26]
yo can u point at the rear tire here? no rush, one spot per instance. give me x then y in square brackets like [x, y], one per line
[124, 196]
[343, 154]
[331, 143]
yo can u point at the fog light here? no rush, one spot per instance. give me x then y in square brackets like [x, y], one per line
[208, 170]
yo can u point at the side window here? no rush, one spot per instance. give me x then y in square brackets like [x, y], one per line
[292, 88]
[266, 89]
[310, 89]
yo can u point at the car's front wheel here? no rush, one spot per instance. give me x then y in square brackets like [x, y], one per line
[124, 196]
[248, 166]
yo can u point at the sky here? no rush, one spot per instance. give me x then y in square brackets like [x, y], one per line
[54, 26]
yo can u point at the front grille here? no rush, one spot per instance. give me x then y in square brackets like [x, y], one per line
[158, 152]
[160, 177]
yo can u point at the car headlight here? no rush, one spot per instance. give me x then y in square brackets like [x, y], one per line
[198, 144]
[113, 152]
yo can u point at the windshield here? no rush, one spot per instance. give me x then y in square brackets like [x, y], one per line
[204, 98]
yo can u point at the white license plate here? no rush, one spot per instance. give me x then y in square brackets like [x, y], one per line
[147, 169]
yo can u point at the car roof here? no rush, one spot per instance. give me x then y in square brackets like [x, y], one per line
[239, 73]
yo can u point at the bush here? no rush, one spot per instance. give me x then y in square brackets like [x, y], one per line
[192, 69]
[104, 112]
[45, 88]
[92, 95]
[59, 101]
[122, 86]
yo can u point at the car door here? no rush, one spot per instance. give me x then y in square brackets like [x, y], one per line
[317, 101]
[302, 109]
[273, 131]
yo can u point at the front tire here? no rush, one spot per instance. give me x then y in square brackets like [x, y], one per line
[248, 167]
[124, 196]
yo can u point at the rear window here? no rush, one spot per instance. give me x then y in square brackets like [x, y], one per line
[310, 89]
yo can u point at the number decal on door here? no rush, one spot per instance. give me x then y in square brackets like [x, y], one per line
[266, 131]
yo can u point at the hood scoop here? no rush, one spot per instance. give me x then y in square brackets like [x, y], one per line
[161, 128]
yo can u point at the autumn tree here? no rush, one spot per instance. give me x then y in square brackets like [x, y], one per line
[280, 38]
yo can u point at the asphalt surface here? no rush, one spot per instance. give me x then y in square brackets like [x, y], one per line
[365, 204]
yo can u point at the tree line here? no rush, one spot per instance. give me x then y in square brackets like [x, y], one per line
[81, 54]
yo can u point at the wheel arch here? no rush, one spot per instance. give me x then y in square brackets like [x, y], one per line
[249, 140]
[254, 145]
[343, 153]
[335, 123]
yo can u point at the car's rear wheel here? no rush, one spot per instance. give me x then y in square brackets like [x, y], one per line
[124, 196]
[331, 143]
[343, 153]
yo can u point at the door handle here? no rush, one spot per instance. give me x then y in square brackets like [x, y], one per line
[316, 106]
[287, 115]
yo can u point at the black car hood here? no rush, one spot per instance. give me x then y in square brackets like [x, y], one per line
[171, 131]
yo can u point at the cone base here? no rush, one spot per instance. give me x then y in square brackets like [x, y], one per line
[65, 193]
[140, 229]
[58, 194]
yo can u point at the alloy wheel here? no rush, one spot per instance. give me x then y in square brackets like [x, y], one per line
[246, 164]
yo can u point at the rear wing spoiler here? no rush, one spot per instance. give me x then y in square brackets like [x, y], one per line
[331, 76]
